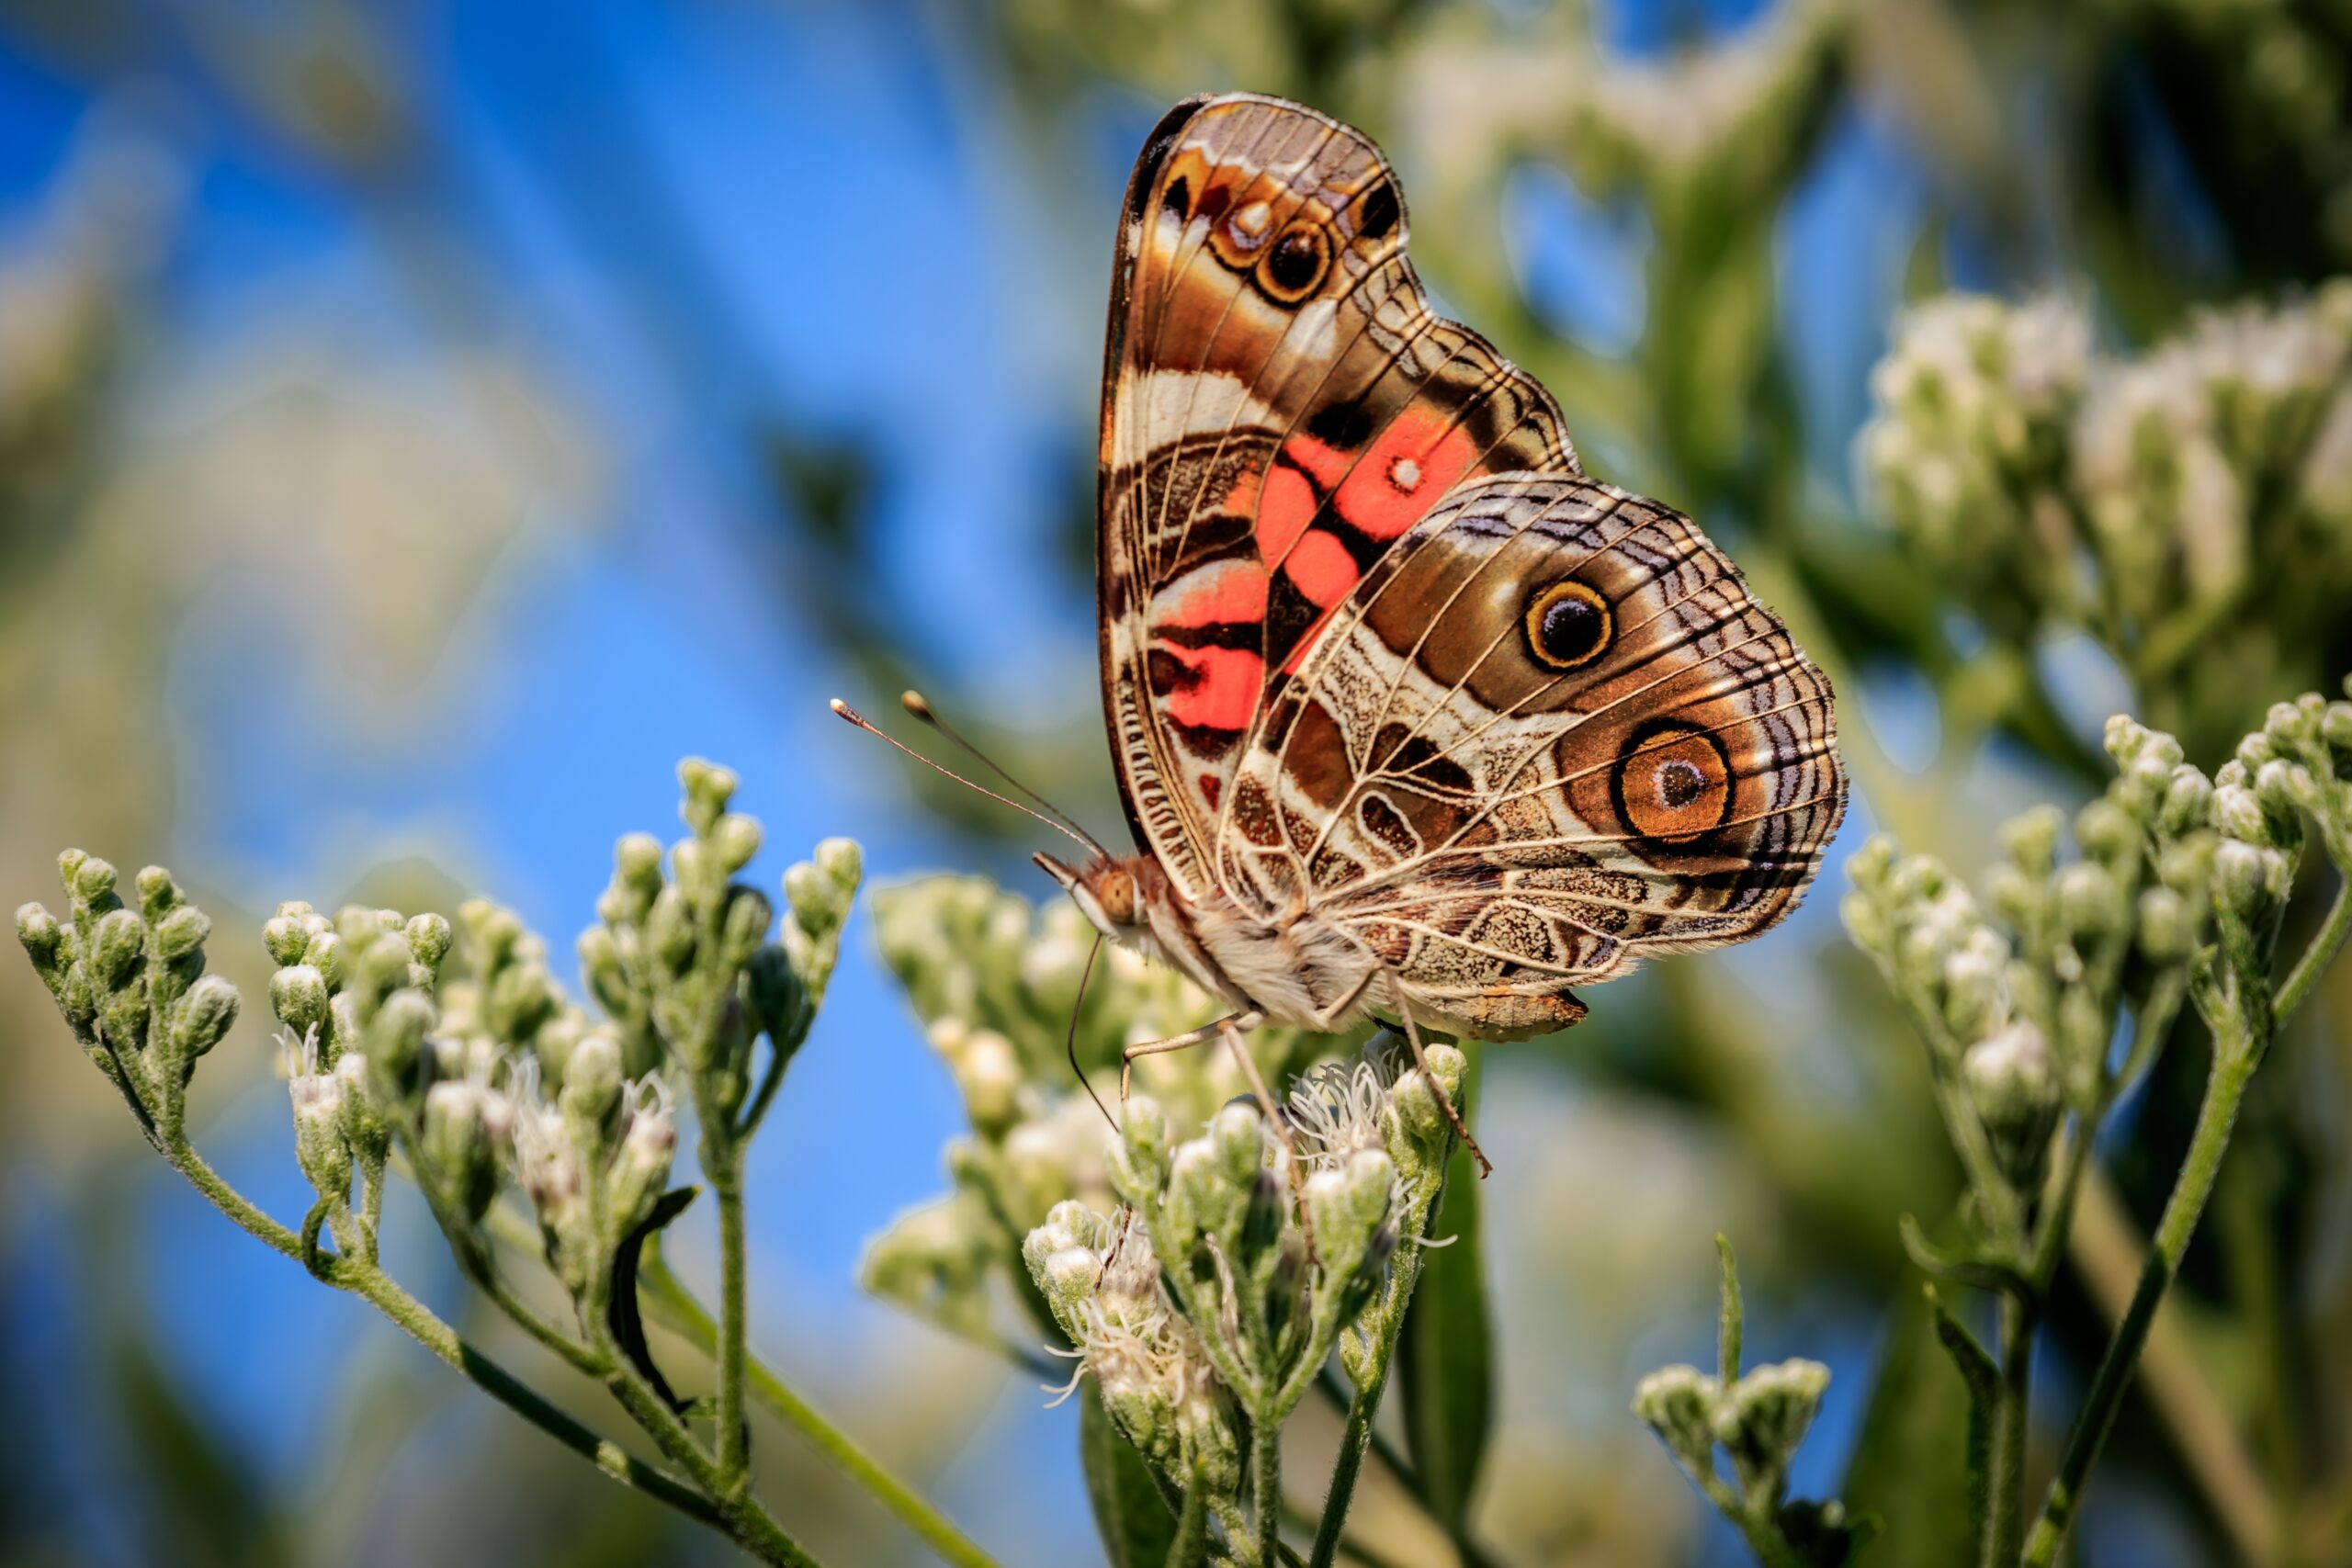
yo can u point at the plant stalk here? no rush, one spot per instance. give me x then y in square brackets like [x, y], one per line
[669, 1302]
[2234, 1060]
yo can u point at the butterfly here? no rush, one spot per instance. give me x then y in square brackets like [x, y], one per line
[1412, 719]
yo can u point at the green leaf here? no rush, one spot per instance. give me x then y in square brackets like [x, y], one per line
[1909, 1467]
[1130, 1510]
[1191, 1548]
[627, 1326]
[1446, 1353]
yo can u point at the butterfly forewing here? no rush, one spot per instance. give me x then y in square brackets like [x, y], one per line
[1377, 656]
[1279, 404]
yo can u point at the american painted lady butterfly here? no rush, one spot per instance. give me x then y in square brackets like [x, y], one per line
[1411, 717]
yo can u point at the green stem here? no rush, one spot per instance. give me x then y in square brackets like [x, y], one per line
[747, 1522]
[2234, 1060]
[734, 1431]
[1405, 1273]
[669, 1302]
[379, 1290]
[2005, 1461]
[1266, 1489]
[2297, 987]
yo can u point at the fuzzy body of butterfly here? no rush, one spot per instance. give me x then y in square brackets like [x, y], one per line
[1412, 719]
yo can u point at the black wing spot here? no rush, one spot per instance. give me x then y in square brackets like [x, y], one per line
[1180, 198]
[1380, 211]
[1156, 148]
[1344, 425]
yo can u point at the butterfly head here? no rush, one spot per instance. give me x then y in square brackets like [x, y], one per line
[1109, 889]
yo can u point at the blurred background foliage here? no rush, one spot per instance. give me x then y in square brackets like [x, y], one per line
[419, 424]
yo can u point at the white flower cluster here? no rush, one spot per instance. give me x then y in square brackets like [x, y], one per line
[2142, 501]
[997, 983]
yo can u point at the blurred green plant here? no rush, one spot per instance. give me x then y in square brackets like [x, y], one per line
[447, 1053]
[2046, 1011]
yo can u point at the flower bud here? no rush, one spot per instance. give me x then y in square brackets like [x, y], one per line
[42, 936]
[669, 930]
[428, 939]
[2187, 802]
[990, 1076]
[158, 893]
[2240, 876]
[1139, 1161]
[2107, 831]
[2168, 934]
[319, 1145]
[1678, 1403]
[89, 878]
[641, 1168]
[181, 932]
[2237, 811]
[119, 940]
[2031, 839]
[1762, 1418]
[456, 1149]
[2089, 901]
[396, 1034]
[204, 1016]
[592, 1085]
[2013, 1083]
[735, 839]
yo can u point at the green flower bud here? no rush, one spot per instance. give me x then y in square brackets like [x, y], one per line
[843, 864]
[2167, 933]
[428, 939]
[181, 932]
[2336, 727]
[2107, 831]
[43, 938]
[735, 839]
[2242, 876]
[749, 915]
[1678, 1404]
[669, 930]
[2031, 839]
[158, 893]
[90, 878]
[990, 1076]
[1261, 1218]
[318, 1144]
[119, 939]
[287, 935]
[1761, 1420]
[69, 867]
[1859, 911]
[455, 1150]
[204, 1016]
[2187, 802]
[590, 1097]
[327, 953]
[2013, 1083]
[2089, 903]
[1870, 864]
[708, 788]
[641, 1166]
[396, 1034]
[1139, 1161]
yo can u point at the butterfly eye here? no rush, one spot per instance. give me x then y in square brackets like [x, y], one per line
[1295, 266]
[1674, 783]
[1116, 893]
[1568, 626]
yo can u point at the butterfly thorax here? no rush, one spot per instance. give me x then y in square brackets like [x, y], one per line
[1296, 969]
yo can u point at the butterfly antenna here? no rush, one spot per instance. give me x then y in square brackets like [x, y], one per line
[1069, 1041]
[853, 717]
[919, 708]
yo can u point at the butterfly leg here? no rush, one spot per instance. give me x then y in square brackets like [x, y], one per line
[1420, 1060]
[1245, 1021]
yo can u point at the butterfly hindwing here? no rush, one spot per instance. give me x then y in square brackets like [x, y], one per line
[1280, 406]
[1549, 734]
